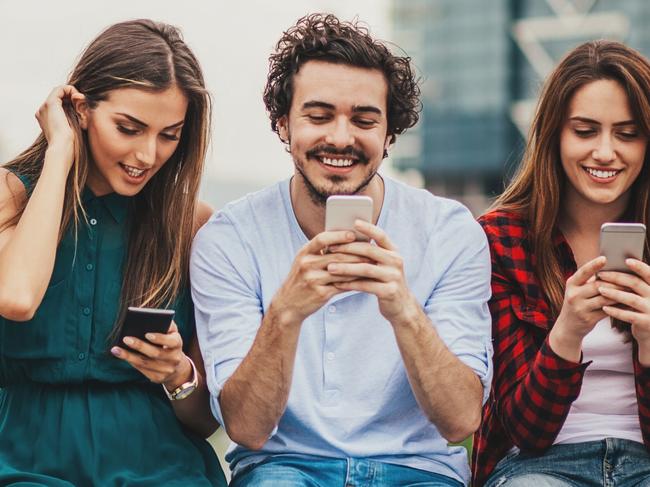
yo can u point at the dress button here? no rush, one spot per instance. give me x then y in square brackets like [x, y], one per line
[330, 356]
[86, 311]
[82, 356]
[93, 221]
[331, 308]
[89, 267]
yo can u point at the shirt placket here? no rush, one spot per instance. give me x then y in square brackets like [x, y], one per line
[331, 361]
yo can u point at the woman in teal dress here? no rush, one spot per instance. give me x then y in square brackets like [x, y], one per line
[98, 215]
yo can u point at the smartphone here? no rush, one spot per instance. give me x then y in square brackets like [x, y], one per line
[139, 321]
[342, 211]
[620, 241]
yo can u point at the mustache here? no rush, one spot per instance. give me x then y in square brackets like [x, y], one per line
[335, 151]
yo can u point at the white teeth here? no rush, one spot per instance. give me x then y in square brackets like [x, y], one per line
[601, 174]
[337, 162]
[132, 171]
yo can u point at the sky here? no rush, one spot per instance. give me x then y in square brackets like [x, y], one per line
[40, 41]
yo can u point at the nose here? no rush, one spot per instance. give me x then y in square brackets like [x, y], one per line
[339, 134]
[146, 152]
[604, 151]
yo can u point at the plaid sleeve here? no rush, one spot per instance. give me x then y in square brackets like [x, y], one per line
[533, 386]
[642, 395]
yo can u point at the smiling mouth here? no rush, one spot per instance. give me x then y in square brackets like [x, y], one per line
[602, 173]
[134, 172]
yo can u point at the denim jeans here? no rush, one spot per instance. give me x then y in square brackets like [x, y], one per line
[609, 462]
[309, 471]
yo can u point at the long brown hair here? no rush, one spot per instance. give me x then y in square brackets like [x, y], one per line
[151, 56]
[536, 190]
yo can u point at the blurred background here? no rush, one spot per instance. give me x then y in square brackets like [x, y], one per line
[481, 65]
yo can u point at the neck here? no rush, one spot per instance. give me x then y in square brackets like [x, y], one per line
[583, 217]
[311, 215]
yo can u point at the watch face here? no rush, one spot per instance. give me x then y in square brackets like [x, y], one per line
[186, 391]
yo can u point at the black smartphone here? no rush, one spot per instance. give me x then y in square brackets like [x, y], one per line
[139, 321]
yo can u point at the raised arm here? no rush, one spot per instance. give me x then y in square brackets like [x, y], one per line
[28, 249]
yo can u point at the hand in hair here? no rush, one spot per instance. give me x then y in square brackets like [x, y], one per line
[53, 120]
[581, 310]
[633, 292]
[160, 359]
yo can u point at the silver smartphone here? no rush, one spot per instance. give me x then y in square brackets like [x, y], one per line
[620, 241]
[342, 211]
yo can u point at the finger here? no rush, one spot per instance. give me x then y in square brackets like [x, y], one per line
[640, 268]
[379, 289]
[626, 315]
[334, 257]
[587, 270]
[144, 348]
[624, 280]
[170, 340]
[598, 302]
[375, 233]
[364, 271]
[326, 239]
[627, 298]
[369, 251]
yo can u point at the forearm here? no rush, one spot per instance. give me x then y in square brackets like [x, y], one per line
[27, 259]
[194, 411]
[448, 391]
[255, 396]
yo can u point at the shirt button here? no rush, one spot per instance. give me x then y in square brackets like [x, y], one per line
[331, 308]
[82, 356]
[86, 311]
[93, 221]
[330, 356]
[89, 267]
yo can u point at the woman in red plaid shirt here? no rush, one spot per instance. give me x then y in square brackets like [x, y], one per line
[570, 403]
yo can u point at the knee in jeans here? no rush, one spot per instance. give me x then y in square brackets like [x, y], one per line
[529, 480]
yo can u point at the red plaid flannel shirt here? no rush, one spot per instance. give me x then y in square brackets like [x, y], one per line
[533, 388]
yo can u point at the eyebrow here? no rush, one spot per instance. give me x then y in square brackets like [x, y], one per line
[596, 122]
[141, 123]
[329, 106]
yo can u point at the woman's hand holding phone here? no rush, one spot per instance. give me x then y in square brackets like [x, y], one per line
[633, 292]
[160, 358]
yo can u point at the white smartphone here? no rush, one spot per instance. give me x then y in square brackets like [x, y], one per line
[620, 241]
[341, 212]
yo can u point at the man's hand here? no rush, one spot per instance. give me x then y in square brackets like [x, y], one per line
[380, 273]
[309, 284]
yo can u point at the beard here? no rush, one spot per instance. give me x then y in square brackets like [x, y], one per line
[336, 185]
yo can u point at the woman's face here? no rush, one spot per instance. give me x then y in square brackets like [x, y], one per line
[601, 146]
[131, 135]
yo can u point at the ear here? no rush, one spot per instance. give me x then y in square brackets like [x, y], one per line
[283, 128]
[387, 143]
[81, 108]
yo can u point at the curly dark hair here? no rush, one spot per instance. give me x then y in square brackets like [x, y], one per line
[324, 37]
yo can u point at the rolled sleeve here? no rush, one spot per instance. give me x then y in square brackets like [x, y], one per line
[227, 304]
[458, 305]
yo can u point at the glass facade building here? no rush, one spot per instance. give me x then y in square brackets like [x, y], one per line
[482, 65]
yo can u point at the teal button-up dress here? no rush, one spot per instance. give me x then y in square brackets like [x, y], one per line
[70, 412]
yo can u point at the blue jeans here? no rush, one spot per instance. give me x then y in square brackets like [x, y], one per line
[609, 462]
[309, 471]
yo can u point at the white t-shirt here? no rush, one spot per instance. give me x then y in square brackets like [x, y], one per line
[606, 406]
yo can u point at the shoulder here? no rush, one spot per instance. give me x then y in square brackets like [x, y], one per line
[202, 214]
[500, 223]
[12, 194]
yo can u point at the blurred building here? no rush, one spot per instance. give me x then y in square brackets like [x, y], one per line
[482, 64]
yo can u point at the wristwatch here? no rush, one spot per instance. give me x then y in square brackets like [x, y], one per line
[185, 389]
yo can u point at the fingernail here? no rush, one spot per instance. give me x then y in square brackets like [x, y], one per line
[128, 340]
[349, 236]
[332, 267]
[116, 351]
[150, 336]
[630, 261]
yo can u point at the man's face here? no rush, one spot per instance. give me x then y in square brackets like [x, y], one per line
[336, 128]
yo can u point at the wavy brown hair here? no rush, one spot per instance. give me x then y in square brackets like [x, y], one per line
[324, 37]
[151, 56]
[537, 188]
